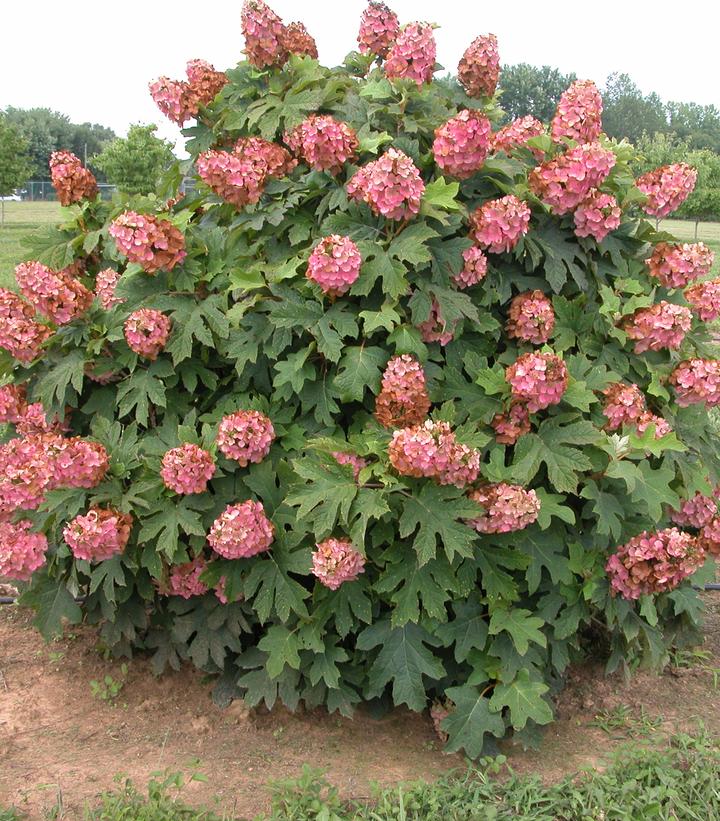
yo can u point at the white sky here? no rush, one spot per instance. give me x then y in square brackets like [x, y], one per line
[93, 60]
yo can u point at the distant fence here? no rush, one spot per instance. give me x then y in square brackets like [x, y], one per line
[44, 191]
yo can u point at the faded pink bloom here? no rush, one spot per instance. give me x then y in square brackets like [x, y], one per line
[624, 405]
[147, 332]
[154, 243]
[497, 225]
[205, 82]
[187, 469]
[709, 537]
[403, 399]
[20, 334]
[697, 511]
[513, 424]
[26, 472]
[662, 426]
[653, 563]
[297, 40]
[531, 318]
[390, 185]
[379, 27]
[56, 294]
[516, 135]
[479, 68]
[507, 508]
[565, 181]
[184, 579]
[77, 462]
[462, 143]
[579, 113]
[99, 534]
[474, 268]
[323, 142]
[175, 99]
[336, 561]
[412, 55]
[356, 462]
[660, 326]
[334, 265]
[434, 328]
[696, 381]
[704, 297]
[105, 283]
[72, 182]
[264, 35]
[13, 403]
[597, 215]
[667, 188]
[22, 552]
[537, 379]
[34, 421]
[241, 531]
[245, 436]
[677, 265]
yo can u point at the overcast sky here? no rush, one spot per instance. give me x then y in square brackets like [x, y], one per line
[93, 60]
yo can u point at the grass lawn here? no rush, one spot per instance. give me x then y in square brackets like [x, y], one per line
[22, 219]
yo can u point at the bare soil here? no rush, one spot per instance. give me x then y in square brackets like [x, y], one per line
[58, 741]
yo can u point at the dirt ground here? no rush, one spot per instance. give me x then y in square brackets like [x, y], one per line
[59, 743]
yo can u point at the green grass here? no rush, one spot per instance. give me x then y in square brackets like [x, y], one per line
[22, 219]
[677, 781]
[708, 232]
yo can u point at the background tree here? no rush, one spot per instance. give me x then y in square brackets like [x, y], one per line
[14, 161]
[698, 124]
[532, 90]
[135, 163]
[629, 114]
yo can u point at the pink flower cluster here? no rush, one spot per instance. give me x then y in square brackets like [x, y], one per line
[390, 185]
[187, 469]
[709, 537]
[513, 424]
[531, 318]
[507, 508]
[662, 426]
[479, 67]
[155, 244]
[100, 534]
[403, 399]
[297, 40]
[323, 142]
[33, 420]
[147, 332]
[56, 294]
[677, 265]
[667, 188]
[334, 265]
[72, 182]
[516, 135]
[474, 268]
[264, 35]
[696, 381]
[438, 713]
[356, 462]
[697, 511]
[597, 215]
[412, 55]
[20, 334]
[13, 403]
[22, 552]
[241, 531]
[579, 113]
[434, 328]
[624, 405]
[105, 283]
[497, 225]
[239, 176]
[245, 436]
[565, 181]
[77, 462]
[336, 561]
[184, 579]
[653, 562]
[179, 100]
[462, 143]
[660, 326]
[379, 26]
[704, 297]
[431, 450]
[537, 379]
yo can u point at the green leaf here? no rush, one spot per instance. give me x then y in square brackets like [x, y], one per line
[525, 700]
[326, 496]
[648, 486]
[470, 721]
[551, 507]
[53, 604]
[171, 518]
[282, 647]
[520, 624]
[441, 194]
[360, 367]
[434, 511]
[269, 586]
[409, 245]
[546, 549]
[143, 388]
[468, 629]
[52, 386]
[606, 508]
[403, 659]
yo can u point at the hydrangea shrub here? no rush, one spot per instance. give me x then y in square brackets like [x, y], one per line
[395, 406]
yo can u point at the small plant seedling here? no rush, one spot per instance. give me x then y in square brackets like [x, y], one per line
[624, 721]
[108, 688]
